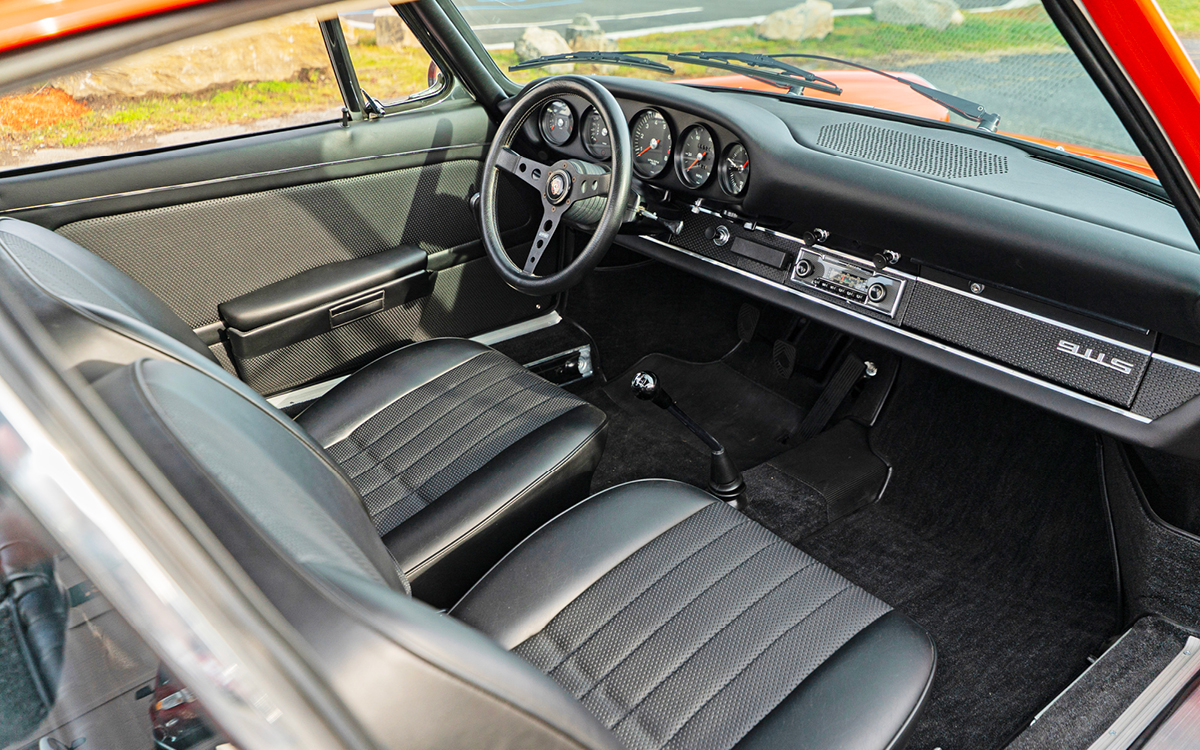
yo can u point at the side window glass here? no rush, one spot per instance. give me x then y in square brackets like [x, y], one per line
[390, 63]
[259, 76]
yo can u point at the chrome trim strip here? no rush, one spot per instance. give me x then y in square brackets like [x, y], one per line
[930, 342]
[316, 390]
[235, 178]
[1035, 316]
[1147, 706]
[551, 318]
[1176, 362]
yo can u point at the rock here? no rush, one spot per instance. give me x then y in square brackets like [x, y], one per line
[536, 42]
[390, 31]
[933, 14]
[265, 51]
[810, 20]
[585, 34]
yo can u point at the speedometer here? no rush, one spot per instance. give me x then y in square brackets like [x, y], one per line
[596, 140]
[651, 143]
[696, 158]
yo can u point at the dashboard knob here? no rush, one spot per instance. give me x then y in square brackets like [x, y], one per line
[876, 292]
[803, 268]
[721, 235]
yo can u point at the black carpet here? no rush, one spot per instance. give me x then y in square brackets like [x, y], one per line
[752, 422]
[1081, 714]
[990, 534]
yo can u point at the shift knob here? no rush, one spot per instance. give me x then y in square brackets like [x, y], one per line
[645, 386]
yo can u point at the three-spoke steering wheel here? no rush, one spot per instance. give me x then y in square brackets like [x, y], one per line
[579, 191]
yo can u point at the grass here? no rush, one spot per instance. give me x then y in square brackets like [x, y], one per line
[1184, 15]
[858, 38]
[390, 74]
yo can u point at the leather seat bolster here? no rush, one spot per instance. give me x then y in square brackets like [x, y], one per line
[867, 695]
[386, 380]
[547, 571]
[451, 543]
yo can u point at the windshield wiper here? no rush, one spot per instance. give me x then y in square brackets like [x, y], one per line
[597, 57]
[760, 67]
[738, 61]
[964, 108]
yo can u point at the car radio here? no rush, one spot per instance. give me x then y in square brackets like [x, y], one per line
[817, 268]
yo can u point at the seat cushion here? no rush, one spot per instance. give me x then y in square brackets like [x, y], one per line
[679, 622]
[459, 453]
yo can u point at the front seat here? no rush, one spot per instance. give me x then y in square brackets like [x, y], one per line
[458, 451]
[649, 616]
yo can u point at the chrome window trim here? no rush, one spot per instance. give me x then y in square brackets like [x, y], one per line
[238, 177]
[909, 334]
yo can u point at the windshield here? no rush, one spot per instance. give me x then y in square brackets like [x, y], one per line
[1007, 57]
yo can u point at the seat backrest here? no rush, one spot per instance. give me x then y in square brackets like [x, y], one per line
[99, 316]
[414, 677]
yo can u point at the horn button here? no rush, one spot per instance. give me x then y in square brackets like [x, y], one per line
[558, 186]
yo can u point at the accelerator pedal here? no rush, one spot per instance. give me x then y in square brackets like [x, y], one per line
[747, 322]
[839, 386]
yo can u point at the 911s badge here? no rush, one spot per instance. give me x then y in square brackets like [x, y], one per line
[1091, 355]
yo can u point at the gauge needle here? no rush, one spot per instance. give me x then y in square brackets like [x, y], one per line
[697, 161]
[653, 144]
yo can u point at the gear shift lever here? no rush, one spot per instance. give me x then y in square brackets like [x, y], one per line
[724, 479]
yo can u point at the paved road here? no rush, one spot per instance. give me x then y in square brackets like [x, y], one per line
[501, 21]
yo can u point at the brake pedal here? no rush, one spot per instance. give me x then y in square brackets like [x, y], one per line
[783, 357]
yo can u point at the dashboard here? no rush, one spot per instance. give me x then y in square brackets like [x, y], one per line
[1076, 291]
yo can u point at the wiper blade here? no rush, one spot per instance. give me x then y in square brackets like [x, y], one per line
[964, 108]
[596, 57]
[783, 74]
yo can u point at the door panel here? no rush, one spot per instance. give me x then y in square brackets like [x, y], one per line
[405, 179]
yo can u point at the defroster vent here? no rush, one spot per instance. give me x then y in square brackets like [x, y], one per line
[910, 151]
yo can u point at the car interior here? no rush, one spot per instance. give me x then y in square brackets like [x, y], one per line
[872, 433]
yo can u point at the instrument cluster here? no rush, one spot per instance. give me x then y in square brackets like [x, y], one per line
[665, 149]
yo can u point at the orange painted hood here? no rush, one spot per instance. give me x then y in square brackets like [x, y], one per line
[869, 89]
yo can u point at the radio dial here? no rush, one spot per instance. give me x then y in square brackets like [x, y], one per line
[876, 292]
[803, 268]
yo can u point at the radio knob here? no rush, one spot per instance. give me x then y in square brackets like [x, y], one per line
[721, 235]
[876, 292]
[803, 268]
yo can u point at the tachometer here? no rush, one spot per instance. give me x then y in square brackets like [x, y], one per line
[651, 143]
[734, 169]
[596, 140]
[557, 122]
[696, 159]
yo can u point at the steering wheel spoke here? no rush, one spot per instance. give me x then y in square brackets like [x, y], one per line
[533, 172]
[590, 185]
[550, 217]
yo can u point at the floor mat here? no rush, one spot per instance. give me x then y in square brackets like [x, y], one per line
[990, 534]
[752, 422]
[639, 449]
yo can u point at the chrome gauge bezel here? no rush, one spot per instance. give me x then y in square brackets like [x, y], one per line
[678, 158]
[723, 170]
[583, 135]
[542, 123]
[650, 111]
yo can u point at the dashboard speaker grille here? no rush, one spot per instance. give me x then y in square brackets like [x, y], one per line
[910, 151]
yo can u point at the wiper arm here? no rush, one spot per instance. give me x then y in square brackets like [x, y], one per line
[783, 73]
[596, 57]
[964, 108]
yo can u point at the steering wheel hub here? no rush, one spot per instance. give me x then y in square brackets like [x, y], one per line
[558, 186]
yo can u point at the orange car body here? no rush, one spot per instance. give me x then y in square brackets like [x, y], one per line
[861, 87]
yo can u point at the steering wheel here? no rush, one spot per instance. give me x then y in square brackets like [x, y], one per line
[578, 191]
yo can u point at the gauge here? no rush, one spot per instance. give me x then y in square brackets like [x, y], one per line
[651, 143]
[735, 169]
[596, 140]
[557, 122]
[696, 157]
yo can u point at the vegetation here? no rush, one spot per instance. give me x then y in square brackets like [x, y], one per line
[1184, 15]
[389, 74]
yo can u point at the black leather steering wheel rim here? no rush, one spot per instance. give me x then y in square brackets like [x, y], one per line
[555, 203]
